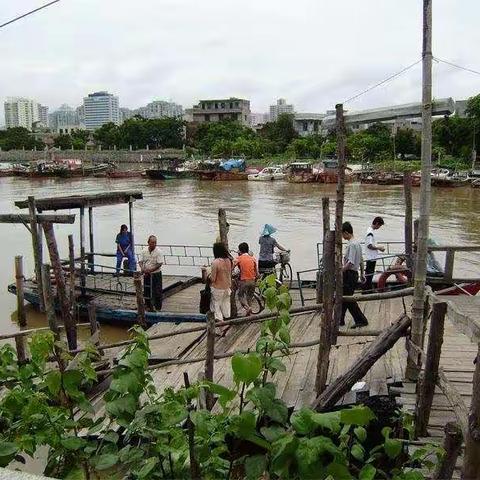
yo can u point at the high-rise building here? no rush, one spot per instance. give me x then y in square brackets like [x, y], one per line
[101, 108]
[65, 118]
[43, 115]
[125, 114]
[160, 109]
[279, 108]
[235, 109]
[21, 112]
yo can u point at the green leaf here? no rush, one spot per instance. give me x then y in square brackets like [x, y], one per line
[274, 364]
[137, 358]
[271, 280]
[272, 433]
[173, 413]
[283, 454]
[102, 462]
[72, 380]
[358, 452]
[274, 325]
[339, 472]
[120, 406]
[246, 367]
[255, 466]
[393, 447]
[360, 433]
[386, 431]
[148, 466]
[244, 425]
[367, 473]
[285, 300]
[358, 415]
[284, 335]
[126, 382]
[225, 395]
[111, 437]
[7, 449]
[264, 399]
[328, 420]
[302, 421]
[53, 381]
[73, 443]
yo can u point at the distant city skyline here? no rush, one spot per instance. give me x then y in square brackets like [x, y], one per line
[189, 50]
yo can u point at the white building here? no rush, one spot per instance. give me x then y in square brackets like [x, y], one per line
[125, 114]
[101, 108]
[279, 108]
[65, 118]
[308, 123]
[258, 119]
[43, 115]
[21, 112]
[160, 109]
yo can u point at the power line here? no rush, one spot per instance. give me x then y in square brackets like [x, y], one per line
[456, 66]
[391, 77]
[28, 13]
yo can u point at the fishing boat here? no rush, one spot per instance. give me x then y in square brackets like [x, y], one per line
[476, 183]
[170, 168]
[268, 174]
[390, 178]
[63, 168]
[302, 172]
[460, 179]
[114, 296]
[223, 170]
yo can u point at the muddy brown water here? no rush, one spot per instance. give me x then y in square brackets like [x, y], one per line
[185, 212]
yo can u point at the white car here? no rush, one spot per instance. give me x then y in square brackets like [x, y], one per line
[268, 174]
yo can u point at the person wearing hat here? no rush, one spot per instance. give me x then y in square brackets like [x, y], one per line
[268, 244]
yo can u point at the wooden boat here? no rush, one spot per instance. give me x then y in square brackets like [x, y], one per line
[125, 174]
[389, 179]
[268, 174]
[63, 168]
[164, 174]
[449, 181]
[302, 172]
[476, 183]
[220, 176]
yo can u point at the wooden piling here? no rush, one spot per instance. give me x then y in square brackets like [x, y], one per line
[37, 249]
[223, 226]
[21, 349]
[452, 444]
[326, 229]
[71, 271]
[340, 201]
[49, 302]
[137, 280]
[471, 462]
[408, 227]
[92, 318]
[426, 388]
[83, 273]
[63, 299]
[19, 283]
[210, 354]
[91, 258]
[326, 318]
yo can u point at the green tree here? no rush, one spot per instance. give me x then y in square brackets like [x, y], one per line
[281, 132]
[17, 138]
[63, 141]
[407, 142]
[108, 135]
[208, 134]
[454, 135]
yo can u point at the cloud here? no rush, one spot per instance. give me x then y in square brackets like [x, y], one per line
[313, 52]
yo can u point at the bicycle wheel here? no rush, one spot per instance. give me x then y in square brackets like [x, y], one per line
[286, 275]
[257, 304]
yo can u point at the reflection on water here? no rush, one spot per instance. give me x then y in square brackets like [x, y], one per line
[185, 212]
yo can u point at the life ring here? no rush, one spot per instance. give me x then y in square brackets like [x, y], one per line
[402, 275]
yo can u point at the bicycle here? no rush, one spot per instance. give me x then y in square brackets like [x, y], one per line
[283, 270]
[257, 305]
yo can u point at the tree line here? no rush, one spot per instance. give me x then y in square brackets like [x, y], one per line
[453, 137]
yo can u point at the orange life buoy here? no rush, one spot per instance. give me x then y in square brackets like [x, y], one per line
[402, 277]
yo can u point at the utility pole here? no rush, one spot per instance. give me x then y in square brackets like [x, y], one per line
[425, 189]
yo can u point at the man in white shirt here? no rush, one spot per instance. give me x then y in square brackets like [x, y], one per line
[371, 252]
[150, 265]
[352, 264]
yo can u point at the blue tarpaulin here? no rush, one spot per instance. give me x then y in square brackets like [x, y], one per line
[233, 164]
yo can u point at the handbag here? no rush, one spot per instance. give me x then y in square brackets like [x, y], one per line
[205, 298]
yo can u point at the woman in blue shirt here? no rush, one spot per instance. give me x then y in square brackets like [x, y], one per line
[125, 249]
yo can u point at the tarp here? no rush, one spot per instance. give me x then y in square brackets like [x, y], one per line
[233, 164]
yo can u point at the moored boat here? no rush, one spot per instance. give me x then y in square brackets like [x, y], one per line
[302, 172]
[476, 183]
[451, 180]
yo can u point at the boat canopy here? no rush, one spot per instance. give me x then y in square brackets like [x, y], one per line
[234, 164]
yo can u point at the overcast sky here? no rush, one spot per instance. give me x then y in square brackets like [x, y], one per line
[315, 53]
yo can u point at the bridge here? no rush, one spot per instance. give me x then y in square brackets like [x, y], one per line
[442, 106]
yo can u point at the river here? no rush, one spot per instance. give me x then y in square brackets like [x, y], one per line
[185, 212]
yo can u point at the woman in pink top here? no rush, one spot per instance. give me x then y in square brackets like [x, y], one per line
[221, 282]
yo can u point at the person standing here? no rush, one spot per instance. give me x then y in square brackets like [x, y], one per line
[371, 252]
[221, 282]
[247, 265]
[125, 249]
[352, 263]
[150, 265]
[266, 262]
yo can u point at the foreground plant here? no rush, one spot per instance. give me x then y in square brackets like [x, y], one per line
[141, 434]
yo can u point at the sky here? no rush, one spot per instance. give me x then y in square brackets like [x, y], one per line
[314, 53]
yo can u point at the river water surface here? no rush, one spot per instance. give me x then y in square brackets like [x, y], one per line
[185, 212]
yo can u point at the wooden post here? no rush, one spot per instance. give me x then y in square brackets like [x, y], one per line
[210, 355]
[449, 263]
[426, 388]
[425, 189]
[340, 201]
[37, 251]
[471, 462]
[326, 229]
[137, 280]
[71, 268]
[452, 444]
[19, 281]
[326, 319]
[70, 327]
[21, 349]
[92, 318]
[408, 228]
[91, 258]
[132, 225]
[223, 226]
[338, 388]
[83, 273]
[49, 302]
